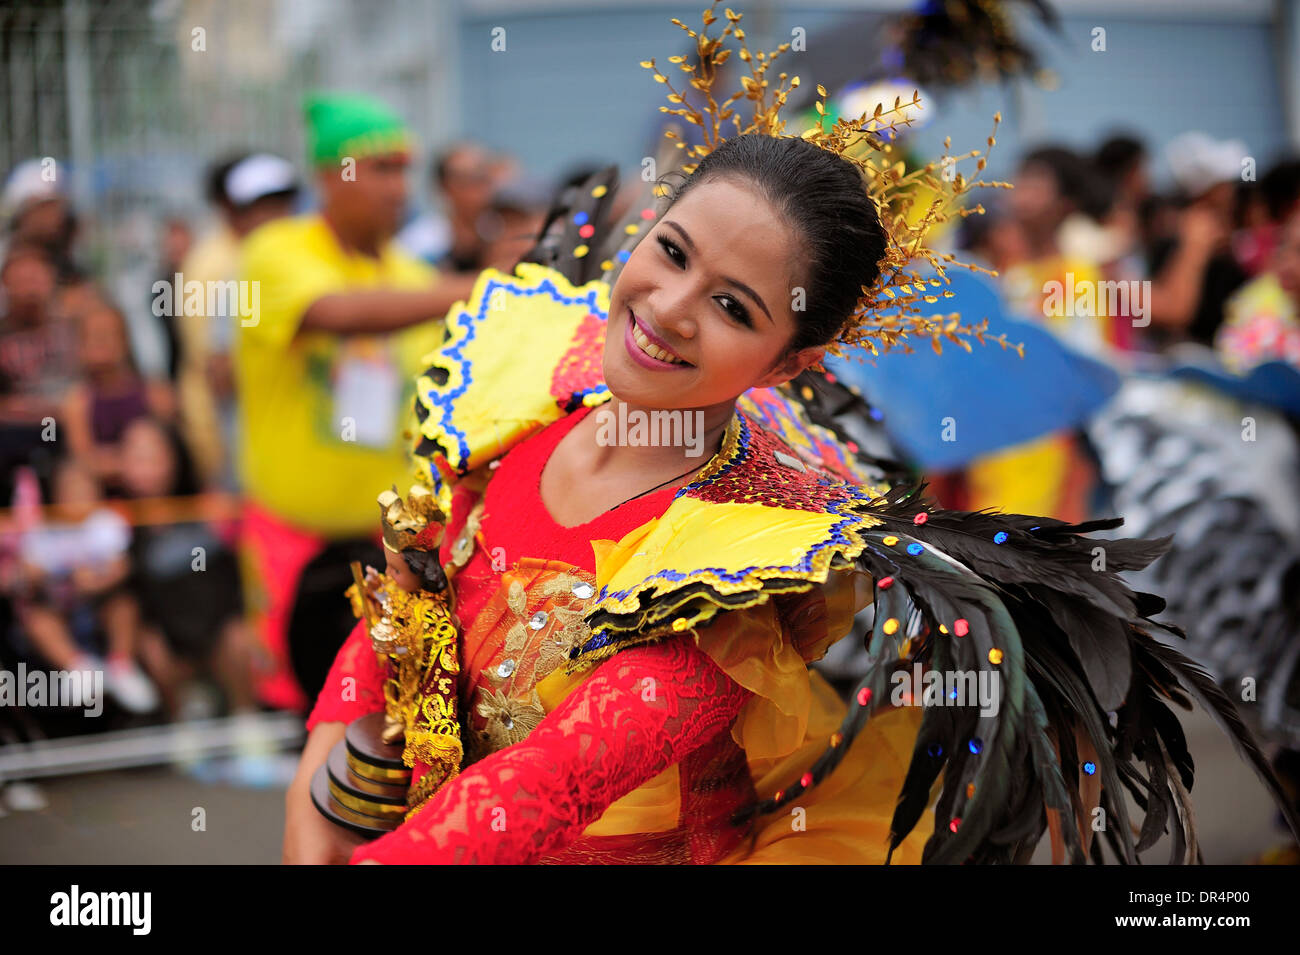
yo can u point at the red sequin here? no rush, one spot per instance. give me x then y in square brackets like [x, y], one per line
[921, 518]
[864, 696]
[580, 368]
[960, 627]
[759, 478]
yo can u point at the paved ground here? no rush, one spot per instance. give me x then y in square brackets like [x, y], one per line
[144, 816]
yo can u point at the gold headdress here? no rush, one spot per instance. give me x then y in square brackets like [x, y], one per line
[893, 308]
[415, 522]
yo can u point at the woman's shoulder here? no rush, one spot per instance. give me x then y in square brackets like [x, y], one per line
[764, 520]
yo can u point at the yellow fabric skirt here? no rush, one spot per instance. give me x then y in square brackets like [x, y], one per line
[845, 819]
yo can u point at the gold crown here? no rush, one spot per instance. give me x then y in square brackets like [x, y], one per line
[893, 308]
[413, 523]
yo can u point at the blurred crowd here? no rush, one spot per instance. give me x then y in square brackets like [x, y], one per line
[171, 529]
[1206, 271]
[190, 533]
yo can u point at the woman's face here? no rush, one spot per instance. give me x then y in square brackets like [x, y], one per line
[702, 311]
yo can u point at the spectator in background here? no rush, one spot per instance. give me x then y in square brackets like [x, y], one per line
[994, 239]
[512, 220]
[175, 242]
[37, 363]
[1051, 474]
[1053, 186]
[1121, 161]
[74, 570]
[1262, 321]
[325, 376]
[38, 213]
[464, 178]
[1194, 273]
[110, 394]
[1267, 207]
[247, 191]
[185, 579]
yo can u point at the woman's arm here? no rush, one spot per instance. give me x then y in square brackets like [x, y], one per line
[355, 684]
[310, 838]
[640, 712]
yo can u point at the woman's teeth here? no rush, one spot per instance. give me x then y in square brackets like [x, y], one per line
[651, 349]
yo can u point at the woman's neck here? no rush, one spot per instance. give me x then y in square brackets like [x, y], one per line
[623, 438]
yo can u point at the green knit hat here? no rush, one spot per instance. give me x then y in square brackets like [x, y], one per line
[356, 126]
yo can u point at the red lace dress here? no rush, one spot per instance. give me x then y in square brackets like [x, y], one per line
[547, 777]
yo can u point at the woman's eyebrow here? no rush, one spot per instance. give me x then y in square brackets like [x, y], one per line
[730, 281]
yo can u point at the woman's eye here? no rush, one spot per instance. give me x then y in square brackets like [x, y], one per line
[735, 309]
[729, 304]
[673, 251]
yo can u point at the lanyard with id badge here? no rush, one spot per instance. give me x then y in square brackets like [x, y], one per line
[367, 391]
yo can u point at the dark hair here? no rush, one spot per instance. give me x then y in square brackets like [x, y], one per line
[185, 480]
[824, 199]
[1077, 180]
[1117, 156]
[424, 564]
[1280, 187]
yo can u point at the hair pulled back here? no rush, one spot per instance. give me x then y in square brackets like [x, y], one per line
[824, 200]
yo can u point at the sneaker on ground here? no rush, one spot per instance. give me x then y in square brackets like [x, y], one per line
[130, 687]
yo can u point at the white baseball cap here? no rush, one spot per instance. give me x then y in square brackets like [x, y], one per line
[258, 176]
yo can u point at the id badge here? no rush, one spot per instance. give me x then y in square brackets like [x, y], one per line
[367, 393]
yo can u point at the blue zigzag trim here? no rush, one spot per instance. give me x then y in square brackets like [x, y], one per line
[836, 536]
[444, 400]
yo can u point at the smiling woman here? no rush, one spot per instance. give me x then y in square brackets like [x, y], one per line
[636, 623]
[758, 261]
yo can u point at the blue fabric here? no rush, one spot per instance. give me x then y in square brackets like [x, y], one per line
[1274, 383]
[995, 398]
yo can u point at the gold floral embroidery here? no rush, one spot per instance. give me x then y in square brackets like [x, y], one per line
[508, 720]
[544, 621]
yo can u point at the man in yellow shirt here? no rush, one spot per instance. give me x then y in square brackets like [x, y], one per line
[325, 358]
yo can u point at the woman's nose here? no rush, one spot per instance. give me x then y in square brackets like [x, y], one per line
[676, 313]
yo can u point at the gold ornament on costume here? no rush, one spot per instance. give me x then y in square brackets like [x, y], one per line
[413, 633]
[894, 307]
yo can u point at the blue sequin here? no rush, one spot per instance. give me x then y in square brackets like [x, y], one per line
[976, 744]
[877, 414]
[915, 549]
[935, 750]
[623, 255]
[1089, 767]
[1000, 537]
[580, 218]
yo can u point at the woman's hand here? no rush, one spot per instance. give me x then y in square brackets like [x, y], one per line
[310, 838]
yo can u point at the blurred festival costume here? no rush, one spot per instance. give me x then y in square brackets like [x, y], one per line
[320, 414]
[636, 689]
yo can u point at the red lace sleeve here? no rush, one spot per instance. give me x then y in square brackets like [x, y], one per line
[355, 685]
[640, 712]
